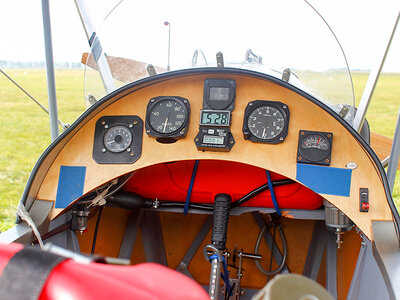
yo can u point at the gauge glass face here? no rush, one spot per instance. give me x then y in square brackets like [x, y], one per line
[167, 116]
[117, 138]
[315, 141]
[266, 122]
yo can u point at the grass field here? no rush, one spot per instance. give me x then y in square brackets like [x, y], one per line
[25, 133]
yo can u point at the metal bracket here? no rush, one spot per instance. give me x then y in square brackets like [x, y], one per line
[131, 231]
[184, 263]
[152, 238]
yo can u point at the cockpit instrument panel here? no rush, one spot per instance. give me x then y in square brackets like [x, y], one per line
[315, 147]
[167, 118]
[266, 121]
[118, 139]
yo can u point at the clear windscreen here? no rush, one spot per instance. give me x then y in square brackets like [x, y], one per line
[264, 36]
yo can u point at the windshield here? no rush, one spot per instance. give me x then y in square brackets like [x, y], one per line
[265, 36]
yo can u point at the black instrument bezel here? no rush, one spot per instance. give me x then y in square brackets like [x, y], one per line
[103, 156]
[252, 106]
[311, 156]
[229, 104]
[181, 132]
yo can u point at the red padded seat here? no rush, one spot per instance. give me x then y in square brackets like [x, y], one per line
[170, 181]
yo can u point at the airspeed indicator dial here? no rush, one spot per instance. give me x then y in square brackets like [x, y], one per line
[167, 118]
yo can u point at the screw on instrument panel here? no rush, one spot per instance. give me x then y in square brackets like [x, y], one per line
[102, 123]
[281, 138]
[329, 135]
[151, 100]
[251, 103]
[148, 131]
[132, 154]
[130, 125]
[299, 158]
[231, 141]
[103, 150]
[182, 132]
[184, 101]
[285, 106]
[128, 150]
[134, 122]
[106, 126]
[302, 132]
[326, 160]
[196, 139]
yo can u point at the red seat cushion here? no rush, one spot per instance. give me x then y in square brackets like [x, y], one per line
[170, 182]
[72, 280]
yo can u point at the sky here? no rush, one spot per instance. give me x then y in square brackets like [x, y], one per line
[362, 26]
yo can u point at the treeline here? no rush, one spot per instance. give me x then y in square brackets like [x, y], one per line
[6, 64]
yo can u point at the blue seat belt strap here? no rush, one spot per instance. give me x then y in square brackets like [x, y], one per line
[189, 193]
[271, 189]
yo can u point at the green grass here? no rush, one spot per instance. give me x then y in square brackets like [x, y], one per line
[24, 128]
[25, 133]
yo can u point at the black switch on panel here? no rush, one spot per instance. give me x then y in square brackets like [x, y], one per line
[364, 202]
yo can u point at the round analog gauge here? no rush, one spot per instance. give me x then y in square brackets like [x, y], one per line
[117, 138]
[167, 116]
[315, 141]
[266, 122]
[314, 147]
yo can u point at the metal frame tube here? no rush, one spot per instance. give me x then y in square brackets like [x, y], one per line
[394, 156]
[95, 47]
[51, 83]
[371, 83]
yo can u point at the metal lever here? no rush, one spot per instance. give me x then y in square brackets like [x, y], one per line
[222, 206]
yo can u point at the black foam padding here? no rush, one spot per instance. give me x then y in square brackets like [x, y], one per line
[26, 273]
[222, 207]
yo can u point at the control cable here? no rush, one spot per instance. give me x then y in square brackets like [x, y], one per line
[284, 255]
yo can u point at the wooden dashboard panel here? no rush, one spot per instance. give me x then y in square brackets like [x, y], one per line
[279, 158]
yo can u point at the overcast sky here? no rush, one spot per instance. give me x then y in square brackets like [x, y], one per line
[362, 26]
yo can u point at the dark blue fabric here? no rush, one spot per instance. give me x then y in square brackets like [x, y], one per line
[325, 180]
[70, 185]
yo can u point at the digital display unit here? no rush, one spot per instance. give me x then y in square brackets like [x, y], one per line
[211, 139]
[215, 118]
[219, 94]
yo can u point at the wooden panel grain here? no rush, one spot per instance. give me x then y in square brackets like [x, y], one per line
[280, 158]
[382, 146]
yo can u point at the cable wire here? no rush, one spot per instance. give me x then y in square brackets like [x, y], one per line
[96, 229]
[63, 125]
[284, 255]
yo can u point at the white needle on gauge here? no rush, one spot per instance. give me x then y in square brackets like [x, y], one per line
[263, 132]
[166, 121]
[110, 142]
